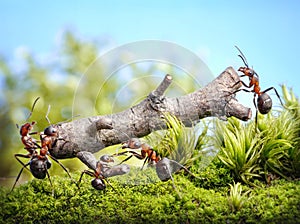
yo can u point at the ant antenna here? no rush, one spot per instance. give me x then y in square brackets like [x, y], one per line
[242, 56]
[33, 105]
[48, 111]
[254, 73]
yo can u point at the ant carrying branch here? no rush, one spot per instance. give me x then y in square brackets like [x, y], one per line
[164, 166]
[147, 153]
[39, 162]
[263, 103]
[103, 171]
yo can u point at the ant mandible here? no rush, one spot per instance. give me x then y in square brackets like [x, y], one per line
[263, 104]
[103, 171]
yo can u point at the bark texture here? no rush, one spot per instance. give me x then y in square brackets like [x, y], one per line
[95, 133]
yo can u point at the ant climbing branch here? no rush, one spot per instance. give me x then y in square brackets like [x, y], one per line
[261, 100]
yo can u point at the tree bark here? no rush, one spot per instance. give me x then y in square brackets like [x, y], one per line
[95, 133]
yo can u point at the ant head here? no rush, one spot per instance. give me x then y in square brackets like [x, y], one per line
[38, 167]
[50, 131]
[133, 143]
[264, 103]
[26, 128]
[248, 72]
[98, 184]
[107, 159]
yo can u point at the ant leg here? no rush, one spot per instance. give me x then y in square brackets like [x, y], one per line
[120, 153]
[85, 172]
[48, 175]
[128, 158]
[24, 166]
[276, 94]
[256, 113]
[37, 145]
[22, 156]
[145, 161]
[33, 133]
[62, 166]
[111, 186]
[245, 90]
[135, 154]
[244, 84]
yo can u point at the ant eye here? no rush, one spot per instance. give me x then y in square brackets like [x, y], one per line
[137, 145]
[50, 131]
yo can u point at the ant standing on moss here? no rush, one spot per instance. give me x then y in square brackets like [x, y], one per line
[103, 171]
[263, 104]
[39, 162]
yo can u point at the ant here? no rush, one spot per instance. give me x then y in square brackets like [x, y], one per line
[263, 104]
[104, 170]
[147, 152]
[164, 166]
[25, 132]
[39, 162]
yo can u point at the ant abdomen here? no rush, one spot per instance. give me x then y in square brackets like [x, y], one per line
[98, 184]
[39, 168]
[264, 103]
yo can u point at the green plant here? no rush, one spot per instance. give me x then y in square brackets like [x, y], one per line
[178, 142]
[237, 198]
[293, 105]
[281, 153]
[239, 148]
[274, 149]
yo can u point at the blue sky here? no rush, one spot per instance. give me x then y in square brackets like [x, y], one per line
[268, 32]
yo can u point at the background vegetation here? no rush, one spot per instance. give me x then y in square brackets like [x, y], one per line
[242, 175]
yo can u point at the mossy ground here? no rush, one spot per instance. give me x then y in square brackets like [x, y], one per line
[195, 201]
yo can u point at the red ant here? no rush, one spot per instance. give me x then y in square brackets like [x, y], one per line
[104, 170]
[30, 143]
[25, 132]
[147, 152]
[164, 167]
[264, 101]
[39, 162]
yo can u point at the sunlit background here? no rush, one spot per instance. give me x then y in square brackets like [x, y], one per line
[46, 46]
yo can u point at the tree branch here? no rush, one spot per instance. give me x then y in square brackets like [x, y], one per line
[95, 133]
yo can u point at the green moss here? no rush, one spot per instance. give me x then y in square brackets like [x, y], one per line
[154, 202]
